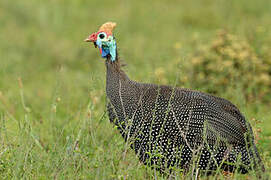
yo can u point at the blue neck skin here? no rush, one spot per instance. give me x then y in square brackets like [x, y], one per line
[108, 47]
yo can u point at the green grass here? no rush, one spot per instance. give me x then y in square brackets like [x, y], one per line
[52, 84]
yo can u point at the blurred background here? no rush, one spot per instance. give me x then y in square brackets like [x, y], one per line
[52, 84]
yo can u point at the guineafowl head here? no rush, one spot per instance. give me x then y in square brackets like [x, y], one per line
[105, 41]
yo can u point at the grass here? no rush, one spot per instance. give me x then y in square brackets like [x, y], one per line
[52, 87]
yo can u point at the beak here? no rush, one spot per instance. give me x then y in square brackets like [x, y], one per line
[87, 40]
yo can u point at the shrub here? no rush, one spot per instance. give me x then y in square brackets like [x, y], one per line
[227, 63]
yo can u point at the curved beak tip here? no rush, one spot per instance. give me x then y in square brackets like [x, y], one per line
[87, 40]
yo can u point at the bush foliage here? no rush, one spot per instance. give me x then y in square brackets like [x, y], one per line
[229, 62]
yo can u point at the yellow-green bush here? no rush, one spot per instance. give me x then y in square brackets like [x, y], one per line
[227, 63]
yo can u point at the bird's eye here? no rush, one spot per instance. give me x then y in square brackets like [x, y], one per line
[102, 35]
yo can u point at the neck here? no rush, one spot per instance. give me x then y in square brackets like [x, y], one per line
[114, 74]
[113, 70]
[117, 83]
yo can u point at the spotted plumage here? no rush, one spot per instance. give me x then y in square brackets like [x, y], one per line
[175, 127]
[171, 126]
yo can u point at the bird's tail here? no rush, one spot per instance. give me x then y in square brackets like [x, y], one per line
[246, 159]
[254, 159]
[257, 163]
[251, 161]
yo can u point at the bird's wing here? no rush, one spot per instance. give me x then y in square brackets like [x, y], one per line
[222, 124]
[220, 117]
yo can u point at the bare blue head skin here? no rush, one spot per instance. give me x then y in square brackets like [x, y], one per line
[105, 42]
[107, 45]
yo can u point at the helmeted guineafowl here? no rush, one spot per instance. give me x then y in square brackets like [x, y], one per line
[172, 127]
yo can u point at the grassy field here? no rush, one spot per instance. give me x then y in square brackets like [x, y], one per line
[53, 122]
